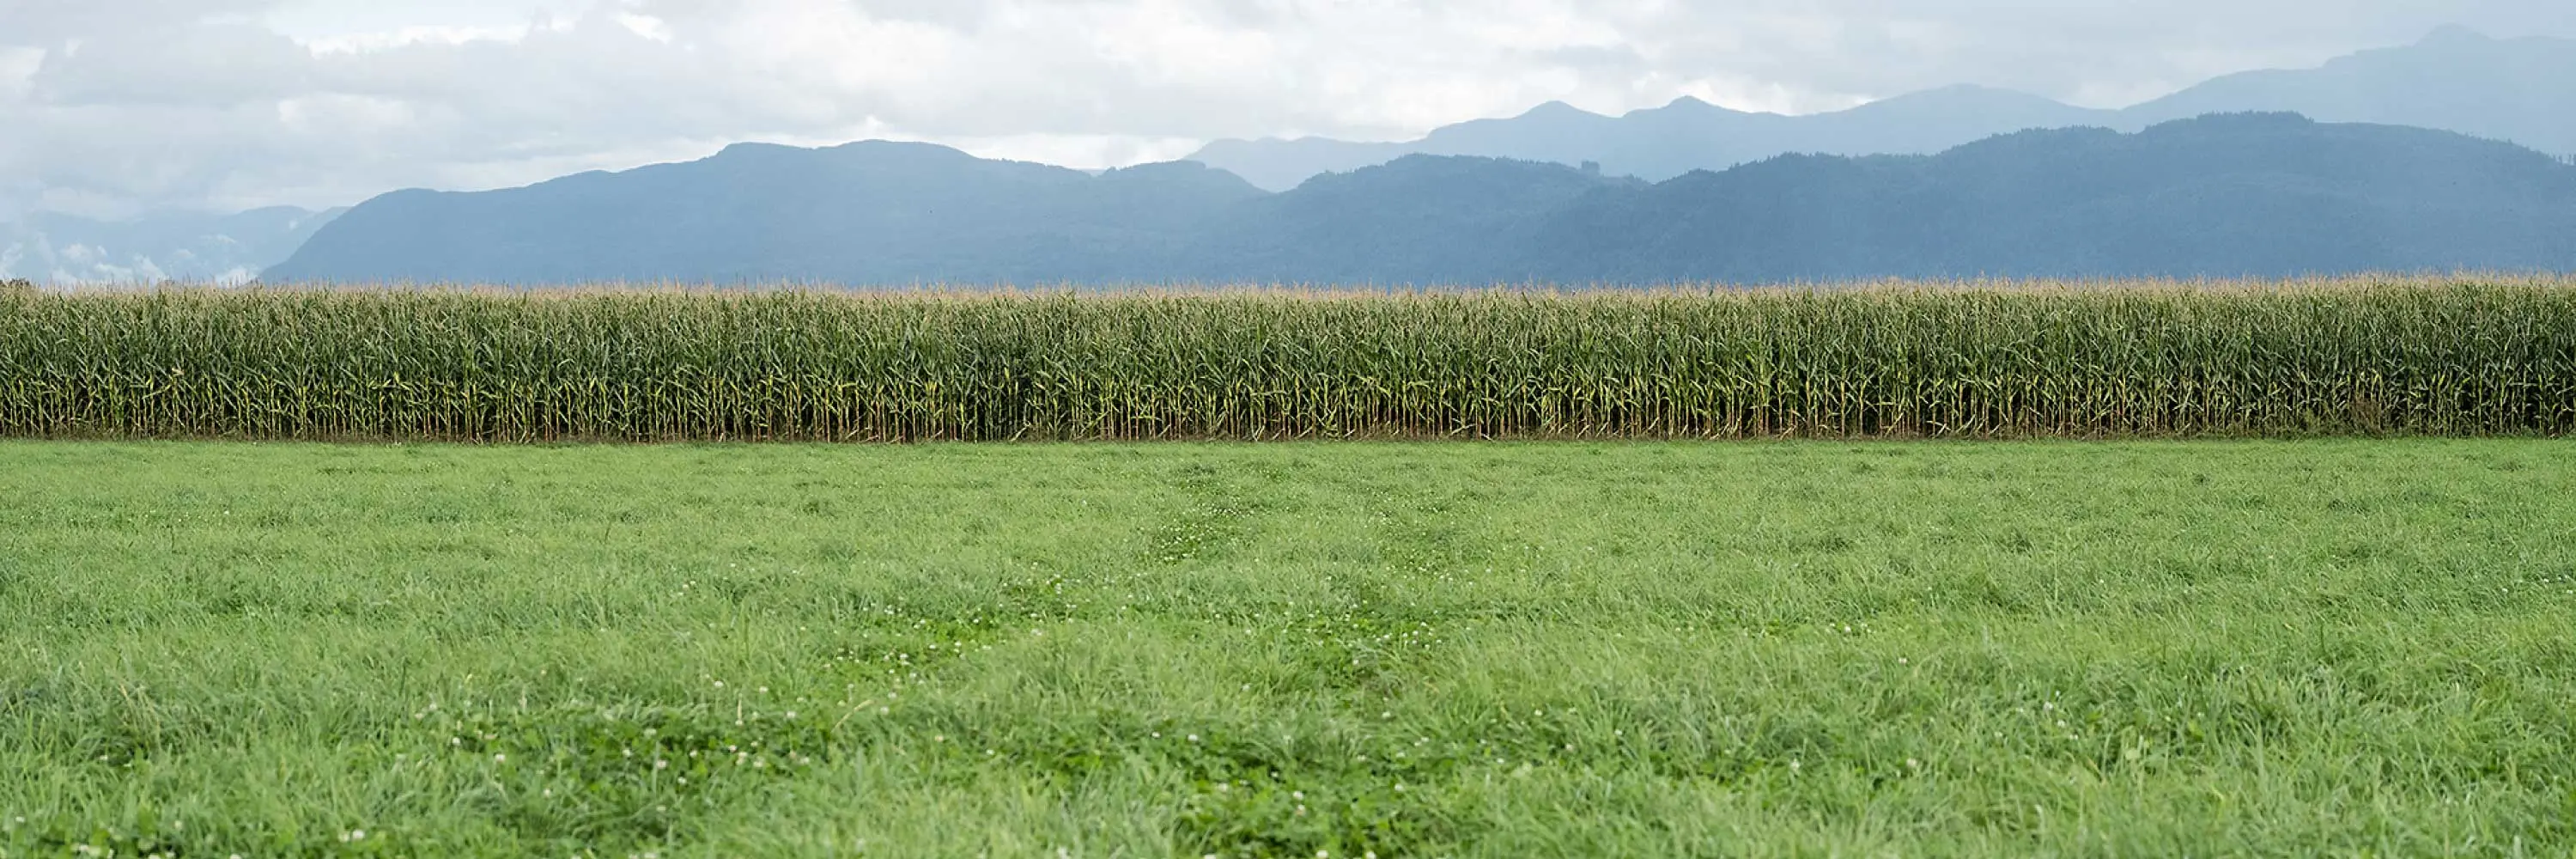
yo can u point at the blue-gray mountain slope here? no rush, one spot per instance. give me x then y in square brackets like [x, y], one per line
[873, 212]
[2521, 90]
[2229, 195]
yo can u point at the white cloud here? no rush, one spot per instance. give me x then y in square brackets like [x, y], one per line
[336, 23]
[1091, 150]
[646, 26]
[18, 71]
[234, 103]
[32, 252]
[380, 40]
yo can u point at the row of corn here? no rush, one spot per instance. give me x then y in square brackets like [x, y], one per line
[2455, 357]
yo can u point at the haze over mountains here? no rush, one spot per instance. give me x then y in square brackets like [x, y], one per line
[2229, 195]
[191, 247]
[2226, 195]
[2522, 90]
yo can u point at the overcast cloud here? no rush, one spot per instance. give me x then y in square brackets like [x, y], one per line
[108, 107]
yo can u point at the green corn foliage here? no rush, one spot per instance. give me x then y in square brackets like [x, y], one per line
[2415, 358]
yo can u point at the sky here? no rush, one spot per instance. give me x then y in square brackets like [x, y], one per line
[111, 108]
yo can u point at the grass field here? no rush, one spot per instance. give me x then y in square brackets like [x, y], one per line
[1634, 649]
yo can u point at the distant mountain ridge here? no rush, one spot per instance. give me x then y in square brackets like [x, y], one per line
[876, 211]
[2263, 195]
[2227, 195]
[2519, 90]
[199, 248]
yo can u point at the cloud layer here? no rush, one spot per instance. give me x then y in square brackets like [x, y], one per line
[117, 106]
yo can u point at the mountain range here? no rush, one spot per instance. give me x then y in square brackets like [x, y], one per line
[1310, 211]
[2520, 90]
[2222, 195]
[191, 247]
[870, 212]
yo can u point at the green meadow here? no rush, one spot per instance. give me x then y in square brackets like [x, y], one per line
[2200, 648]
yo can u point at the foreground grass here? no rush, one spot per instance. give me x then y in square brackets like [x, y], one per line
[1293, 650]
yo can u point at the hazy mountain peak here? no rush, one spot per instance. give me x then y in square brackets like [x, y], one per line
[1974, 103]
[1182, 174]
[752, 148]
[2454, 79]
[877, 149]
[1972, 91]
[1687, 107]
[2522, 90]
[2454, 34]
[1190, 168]
[2239, 119]
[907, 147]
[1688, 104]
[1557, 109]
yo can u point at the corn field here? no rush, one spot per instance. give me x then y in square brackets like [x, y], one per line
[2403, 357]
